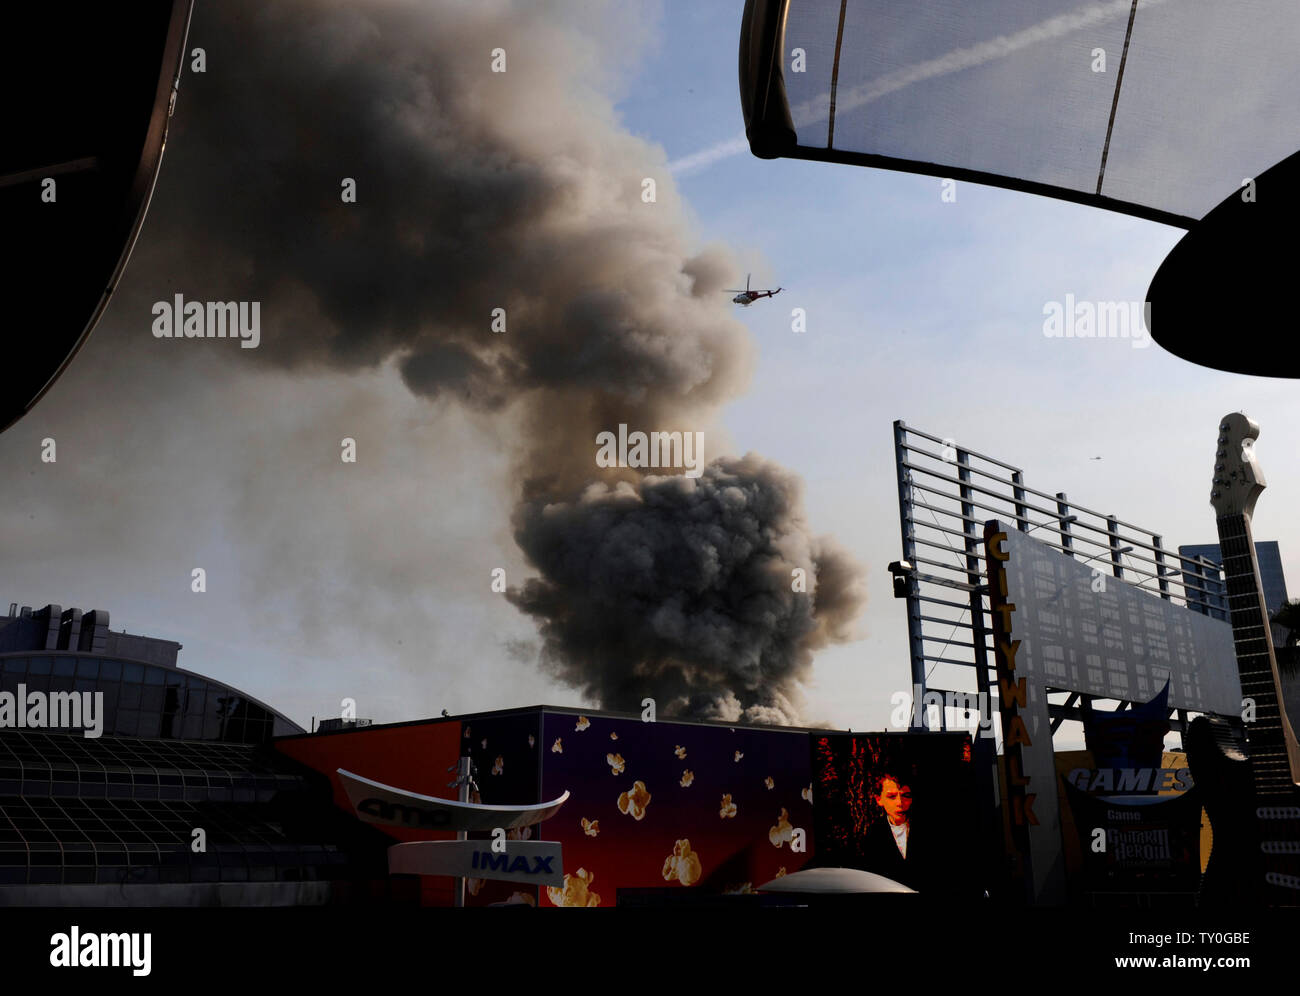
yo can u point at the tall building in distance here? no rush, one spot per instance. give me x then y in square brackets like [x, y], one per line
[1211, 580]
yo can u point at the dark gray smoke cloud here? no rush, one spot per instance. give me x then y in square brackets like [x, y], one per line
[476, 191]
[685, 590]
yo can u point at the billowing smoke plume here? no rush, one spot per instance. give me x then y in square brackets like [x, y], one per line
[687, 590]
[486, 197]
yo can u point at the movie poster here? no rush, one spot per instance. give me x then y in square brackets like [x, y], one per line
[901, 805]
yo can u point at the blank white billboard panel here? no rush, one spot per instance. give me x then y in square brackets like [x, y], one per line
[1084, 630]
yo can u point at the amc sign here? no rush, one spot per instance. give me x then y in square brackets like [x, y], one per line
[385, 805]
[396, 814]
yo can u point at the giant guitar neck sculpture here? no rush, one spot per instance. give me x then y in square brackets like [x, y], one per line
[1252, 801]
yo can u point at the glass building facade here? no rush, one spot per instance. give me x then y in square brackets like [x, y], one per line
[1210, 578]
[113, 811]
[147, 700]
[180, 789]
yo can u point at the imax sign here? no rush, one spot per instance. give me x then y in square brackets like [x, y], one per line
[487, 861]
[537, 862]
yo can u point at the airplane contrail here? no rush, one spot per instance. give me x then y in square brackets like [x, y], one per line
[817, 109]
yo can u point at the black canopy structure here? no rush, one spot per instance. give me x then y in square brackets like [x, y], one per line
[86, 94]
[1160, 109]
[1221, 298]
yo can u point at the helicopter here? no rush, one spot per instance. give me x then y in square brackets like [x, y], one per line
[747, 297]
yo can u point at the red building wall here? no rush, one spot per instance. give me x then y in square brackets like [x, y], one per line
[413, 757]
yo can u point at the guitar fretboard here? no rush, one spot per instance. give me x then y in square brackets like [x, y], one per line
[1253, 641]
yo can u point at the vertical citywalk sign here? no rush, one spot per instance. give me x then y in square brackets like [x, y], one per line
[1013, 695]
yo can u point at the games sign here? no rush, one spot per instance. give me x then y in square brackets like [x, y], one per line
[1147, 843]
[1135, 812]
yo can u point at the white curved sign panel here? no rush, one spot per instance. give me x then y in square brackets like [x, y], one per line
[385, 805]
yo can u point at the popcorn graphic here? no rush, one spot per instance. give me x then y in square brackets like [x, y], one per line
[769, 783]
[680, 751]
[807, 794]
[467, 733]
[582, 724]
[688, 776]
[739, 755]
[744, 889]
[557, 747]
[728, 809]
[520, 833]
[483, 743]
[576, 890]
[474, 884]
[634, 801]
[780, 872]
[532, 740]
[613, 735]
[782, 832]
[616, 762]
[521, 897]
[499, 766]
[590, 827]
[683, 865]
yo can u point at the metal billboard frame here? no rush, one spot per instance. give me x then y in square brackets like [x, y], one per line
[946, 493]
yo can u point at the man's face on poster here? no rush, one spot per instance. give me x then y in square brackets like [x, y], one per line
[895, 800]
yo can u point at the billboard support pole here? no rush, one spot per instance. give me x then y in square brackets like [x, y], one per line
[463, 778]
[914, 586]
[1163, 579]
[984, 748]
[1112, 529]
[1063, 513]
[974, 576]
[1018, 492]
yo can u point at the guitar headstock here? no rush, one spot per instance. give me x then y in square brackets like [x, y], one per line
[1238, 479]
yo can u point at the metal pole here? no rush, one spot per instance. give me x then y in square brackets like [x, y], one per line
[463, 777]
[983, 749]
[914, 586]
[1112, 529]
[979, 635]
[1160, 568]
[1063, 512]
[1018, 492]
